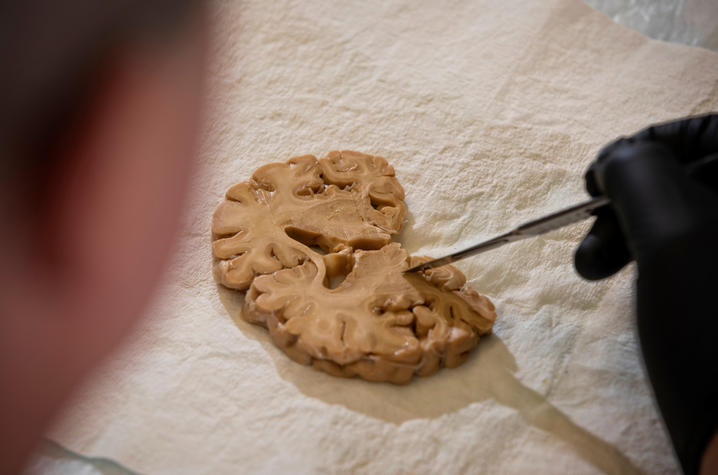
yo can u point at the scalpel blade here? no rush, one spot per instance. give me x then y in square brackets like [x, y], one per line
[532, 228]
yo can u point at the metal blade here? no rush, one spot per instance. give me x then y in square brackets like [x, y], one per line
[532, 228]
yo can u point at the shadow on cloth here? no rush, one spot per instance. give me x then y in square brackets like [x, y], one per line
[487, 374]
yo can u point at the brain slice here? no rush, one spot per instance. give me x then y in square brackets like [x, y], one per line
[294, 229]
[347, 200]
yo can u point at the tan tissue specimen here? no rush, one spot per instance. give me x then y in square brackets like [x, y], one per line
[378, 323]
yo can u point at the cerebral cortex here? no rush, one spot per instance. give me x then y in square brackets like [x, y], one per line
[310, 243]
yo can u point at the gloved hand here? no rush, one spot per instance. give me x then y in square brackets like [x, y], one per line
[664, 215]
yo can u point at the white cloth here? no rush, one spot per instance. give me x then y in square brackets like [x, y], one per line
[490, 113]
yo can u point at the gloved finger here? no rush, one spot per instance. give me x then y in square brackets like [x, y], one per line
[689, 139]
[652, 195]
[603, 251]
[592, 186]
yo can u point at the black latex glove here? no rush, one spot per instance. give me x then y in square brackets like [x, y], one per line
[666, 218]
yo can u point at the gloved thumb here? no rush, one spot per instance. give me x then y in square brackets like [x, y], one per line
[603, 251]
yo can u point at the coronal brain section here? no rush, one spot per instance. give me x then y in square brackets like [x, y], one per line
[309, 241]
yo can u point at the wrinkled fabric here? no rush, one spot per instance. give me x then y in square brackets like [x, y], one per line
[489, 112]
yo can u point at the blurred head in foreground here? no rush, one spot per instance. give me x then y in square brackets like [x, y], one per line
[99, 107]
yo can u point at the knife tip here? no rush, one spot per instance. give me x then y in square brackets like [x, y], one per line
[413, 269]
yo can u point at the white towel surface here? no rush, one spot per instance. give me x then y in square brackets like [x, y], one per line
[490, 112]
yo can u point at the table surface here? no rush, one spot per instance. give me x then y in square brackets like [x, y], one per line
[690, 22]
[679, 21]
